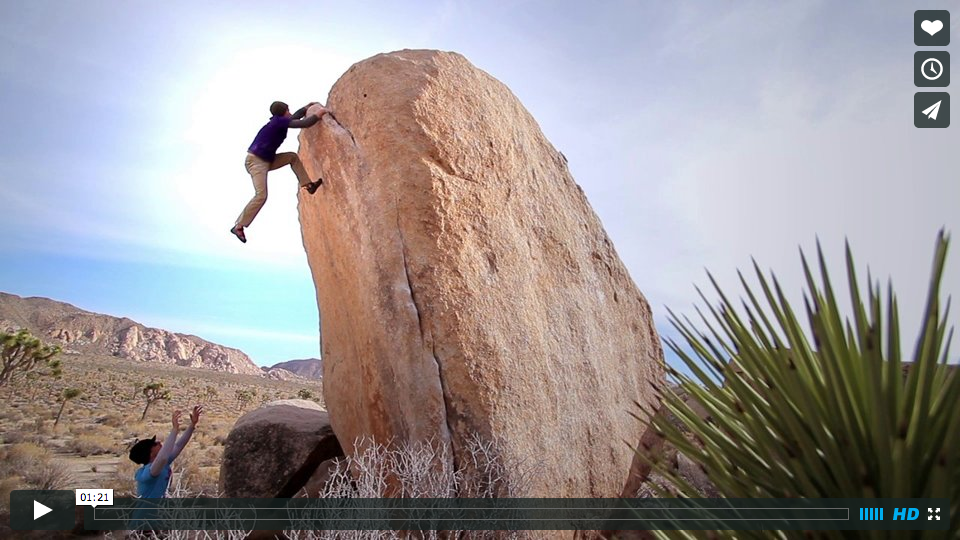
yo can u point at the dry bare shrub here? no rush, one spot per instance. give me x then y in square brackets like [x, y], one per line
[33, 467]
[50, 474]
[204, 480]
[19, 456]
[124, 482]
[6, 486]
[115, 420]
[12, 415]
[211, 456]
[177, 535]
[16, 436]
[92, 445]
[421, 470]
[42, 426]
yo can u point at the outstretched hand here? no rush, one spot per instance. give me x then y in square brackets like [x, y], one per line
[195, 415]
[175, 420]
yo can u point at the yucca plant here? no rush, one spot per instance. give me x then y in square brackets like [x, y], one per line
[830, 411]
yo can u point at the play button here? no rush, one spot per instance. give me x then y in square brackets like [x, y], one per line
[42, 510]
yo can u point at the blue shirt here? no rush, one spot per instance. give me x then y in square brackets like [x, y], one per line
[270, 137]
[152, 487]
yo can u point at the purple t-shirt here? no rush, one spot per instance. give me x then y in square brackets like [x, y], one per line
[270, 137]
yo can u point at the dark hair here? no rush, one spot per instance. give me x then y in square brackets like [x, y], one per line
[140, 452]
[279, 108]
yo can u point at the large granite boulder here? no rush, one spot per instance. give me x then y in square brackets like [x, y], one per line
[465, 285]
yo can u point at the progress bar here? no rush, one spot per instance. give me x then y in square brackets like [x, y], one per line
[515, 514]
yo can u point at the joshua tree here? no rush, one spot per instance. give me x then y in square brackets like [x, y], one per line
[153, 392]
[210, 393]
[24, 353]
[244, 397]
[65, 396]
[838, 415]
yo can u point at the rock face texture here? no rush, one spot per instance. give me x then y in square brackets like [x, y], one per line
[83, 332]
[275, 450]
[466, 287]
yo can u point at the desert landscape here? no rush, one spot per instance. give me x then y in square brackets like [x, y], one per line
[87, 447]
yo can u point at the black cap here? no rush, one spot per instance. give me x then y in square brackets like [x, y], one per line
[140, 452]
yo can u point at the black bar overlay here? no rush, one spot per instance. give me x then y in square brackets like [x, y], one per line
[521, 514]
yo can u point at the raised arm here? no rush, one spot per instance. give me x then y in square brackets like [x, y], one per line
[163, 457]
[302, 111]
[301, 120]
[304, 123]
[185, 438]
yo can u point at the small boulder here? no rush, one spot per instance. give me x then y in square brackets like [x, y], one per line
[274, 450]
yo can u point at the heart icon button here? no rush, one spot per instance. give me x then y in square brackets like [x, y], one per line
[931, 27]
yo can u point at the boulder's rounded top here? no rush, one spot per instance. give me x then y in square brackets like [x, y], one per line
[296, 414]
[301, 403]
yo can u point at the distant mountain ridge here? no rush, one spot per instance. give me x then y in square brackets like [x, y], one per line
[83, 332]
[279, 374]
[308, 368]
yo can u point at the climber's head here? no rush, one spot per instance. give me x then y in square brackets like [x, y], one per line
[279, 108]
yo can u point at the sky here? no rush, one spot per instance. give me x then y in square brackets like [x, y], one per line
[705, 134]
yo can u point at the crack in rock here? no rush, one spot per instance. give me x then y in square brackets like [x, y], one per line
[423, 340]
[341, 126]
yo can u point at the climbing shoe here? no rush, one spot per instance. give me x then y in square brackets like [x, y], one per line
[312, 186]
[238, 232]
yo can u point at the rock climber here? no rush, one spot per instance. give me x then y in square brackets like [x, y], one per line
[262, 157]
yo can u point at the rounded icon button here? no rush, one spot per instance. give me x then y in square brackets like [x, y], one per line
[42, 510]
[931, 66]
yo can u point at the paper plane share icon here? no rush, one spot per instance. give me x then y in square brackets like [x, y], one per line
[933, 110]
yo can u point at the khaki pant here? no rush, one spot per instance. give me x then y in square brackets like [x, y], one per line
[258, 169]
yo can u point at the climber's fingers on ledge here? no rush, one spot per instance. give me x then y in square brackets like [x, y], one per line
[317, 110]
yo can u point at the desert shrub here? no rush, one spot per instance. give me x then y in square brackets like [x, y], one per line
[19, 456]
[11, 415]
[49, 474]
[17, 436]
[41, 426]
[200, 481]
[7, 485]
[421, 469]
[91, 444]
[839, 415]
[114, 420]
[181, 535]
[31, 466]
[124, 482]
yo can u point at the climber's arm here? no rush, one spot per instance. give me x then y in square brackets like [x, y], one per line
[301, 112]
[300, 122]
[305, 122]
